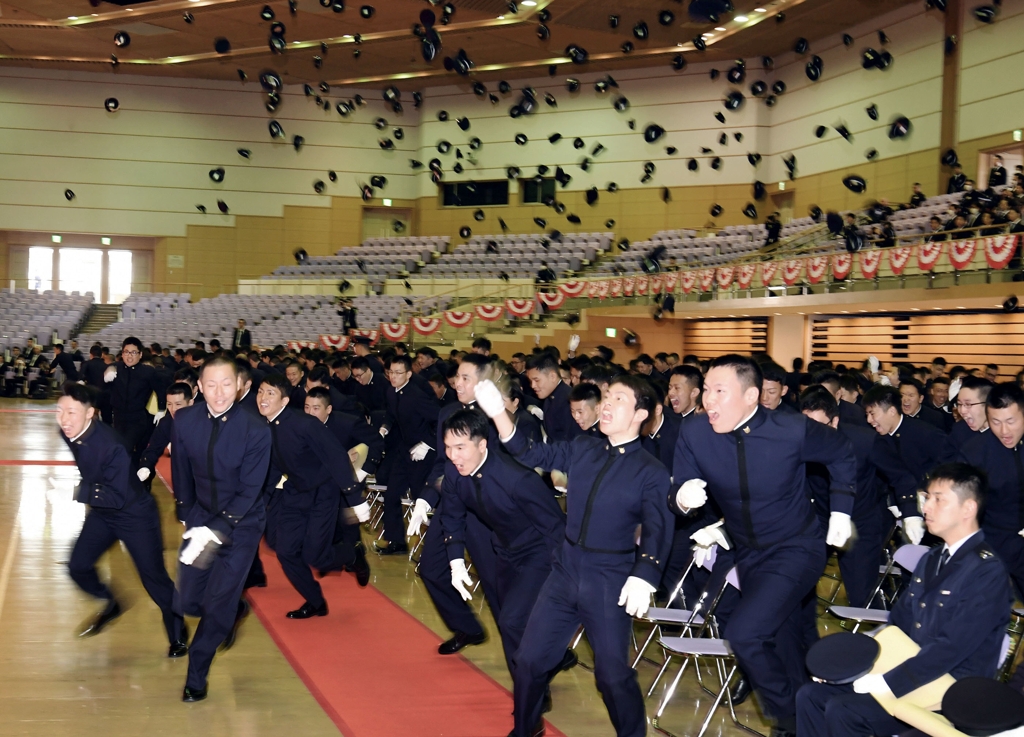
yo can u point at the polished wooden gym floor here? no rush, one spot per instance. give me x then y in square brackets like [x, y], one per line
[121, 682]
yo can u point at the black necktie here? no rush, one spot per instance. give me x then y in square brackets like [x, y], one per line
[943, 559]
[210, 467]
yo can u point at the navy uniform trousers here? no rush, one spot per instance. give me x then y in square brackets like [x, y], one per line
[137, 525]
[212, 593]
[828, 710]
[305, 525]
[135, 429]
[406, 475]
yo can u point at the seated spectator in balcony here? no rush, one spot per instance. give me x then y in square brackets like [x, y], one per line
[957, 181]
[851, 233]
[1001, 211]
[997, 174]
[883, 235]
[988, 225]
[957, 229]
[774, 228]
[918, 197]
[935, 234]
[546, 275]
[1013, 224]
[879, 211]
[973, 217]
[492, 247]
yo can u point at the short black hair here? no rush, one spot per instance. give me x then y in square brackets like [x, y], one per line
[543, 361]
[320, 392]
[982, 386]
[243, 369]
[773, 372]
[319, 374]
[180, 388]
[580, 362]
[966, 481]
[645, 359]
[96, 351]
[596, 374]
[58, 345]
[645, 397]
[437, 378]
[475, 359]
[585, 393]
[188, 374]
[81, 393]
[747, 370]
[938, 361]
[940, 380]
[818, 398]
[1003, 395]
[467, 422]
[404, 360]
[278, 381]
[914, 383]
[849, 383]
[426, 351]
[883, 397]
[359, 362]
[131, 340]
[692, 375]
[663, 357]
[482, 343]
[606, 353]
[219, 360]
[827, 376]
[519, 357]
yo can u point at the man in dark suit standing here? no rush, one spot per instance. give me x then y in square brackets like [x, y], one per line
[997, 174]
[242, 341]
[64, 361]
[92, 372]
[957, 180]
[131, 384]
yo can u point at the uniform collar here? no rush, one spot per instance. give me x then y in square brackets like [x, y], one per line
[658, 428]
[88, 427]
[399, 389]
[897, 428]
[476, 471]
[749, 420]
[222, 414]
[959, 543]
[270, 420]
[626, 447]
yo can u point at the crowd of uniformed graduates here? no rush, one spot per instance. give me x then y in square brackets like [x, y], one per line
[581, 490]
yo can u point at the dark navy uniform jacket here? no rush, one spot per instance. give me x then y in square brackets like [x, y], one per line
[527, 424]
[92, 373]
[558, 421]
[249, 403]
[373, 396]
[158, 442]
[662, 443]
[611, 491]
[961, 434]
[921, 446]
[852, 414]
[449, 397]
[756, 473]
[958, 616]
[348, 386]
[413, 414]
[935, 417]
[1004, 503]
[512, 500]
[310, 456]
[351, 430]
[103, 460]
[67, 365]
[218, 479]
[431, 493]
[130, 389]
[874, 458]
[594, 431]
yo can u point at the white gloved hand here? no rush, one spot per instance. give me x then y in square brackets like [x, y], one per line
[361, 475]
[884, 380]
[383, 431]
[574, 342]
[873, 364]
[419, 451]
[692, 494]
[706, 539]
[489, 399]
[460, 578]
[895, 511]
[536, 411]
[143, 473]
[109, 374]
[168, 449]
[914, 527]
[418, 519]
[362, 512]
[199, 538]
[280, 483]
[954, 388]
[839, 529]
[159, 416]
[873, 683]
[636, 596]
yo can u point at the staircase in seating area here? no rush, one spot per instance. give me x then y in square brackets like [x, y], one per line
[100, 317]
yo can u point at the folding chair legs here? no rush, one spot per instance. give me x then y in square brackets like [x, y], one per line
[575, 643]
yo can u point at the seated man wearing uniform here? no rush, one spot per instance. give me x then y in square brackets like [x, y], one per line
[956, 607]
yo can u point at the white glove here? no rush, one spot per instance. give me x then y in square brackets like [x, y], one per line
[362, 512]
[914, 527]
[873, 683]
[706, 539]
[895, 511]
[884, 380]
[692, 495]
[418, 520]
[873, 364]
[361, 475]
[954, 388]
[536, 411]
[159, 416]
[839, 529]
[109, 374]
[383, 431]
[280, 483]
[419, 451]
[574, 342]
[168, 449]
[488, 398]
[199, 538]
[636, 596]
[460, 577]
[142, 473]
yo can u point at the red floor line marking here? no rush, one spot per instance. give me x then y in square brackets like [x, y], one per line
[36, 463]
[48, 411]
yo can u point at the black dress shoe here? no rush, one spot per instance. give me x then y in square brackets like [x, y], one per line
[111, 612]
[392, 549]
[191, 695]
[307, 610]
[569, 660]
[546, 704]
[240, 615]
[258, 581]
[740, 690]
[360, 566]
[178, 649]
[461, 640]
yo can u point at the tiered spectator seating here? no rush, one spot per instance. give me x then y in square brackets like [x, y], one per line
[28, 314]
[520, 256]
[376, 259]
[139, 303]
[913, 222]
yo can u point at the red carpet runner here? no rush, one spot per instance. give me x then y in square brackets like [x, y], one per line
[373, 667]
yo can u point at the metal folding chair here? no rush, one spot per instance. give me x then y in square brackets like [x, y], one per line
[907, 558]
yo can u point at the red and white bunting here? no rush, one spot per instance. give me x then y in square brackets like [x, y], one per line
[869, 261]
[724, 276]
[898, 258]
[298, 345]
[928, 255]
[768, 271]
[394, 331]
[594, 289]
[573, 288]
[457, 318]
[615, 288]
[999, 250]
[961, 253]
[338, 342]
[669, 282]
[426, 325]
[656, 283]
[745, 275]
[551, 300]
[816, 268]
[490, 313]
[519, 307]
[688, 279]
[842, 263]
[642, 282]
[791, 270]
[373, 335]
[706, 278]
[628, 284]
